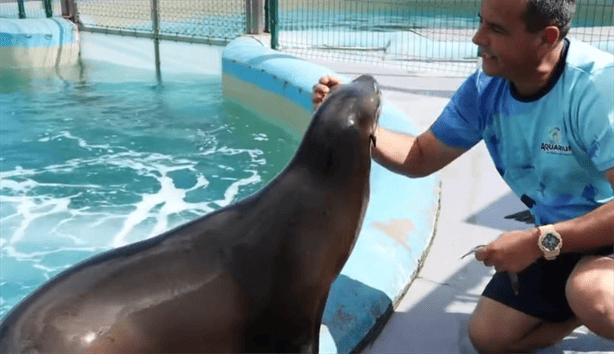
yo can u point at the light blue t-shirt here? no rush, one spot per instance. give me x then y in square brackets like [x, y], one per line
[553, 148]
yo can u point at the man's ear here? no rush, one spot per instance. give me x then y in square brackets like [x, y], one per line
[551, 34]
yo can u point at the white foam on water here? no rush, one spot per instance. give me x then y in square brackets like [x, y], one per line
[233, 189]
[168, 200]
[82, 143]
[170, 197]
[51, 223]
[30, 209]
[254, 154]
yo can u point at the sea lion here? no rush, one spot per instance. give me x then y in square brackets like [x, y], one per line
[251, 277]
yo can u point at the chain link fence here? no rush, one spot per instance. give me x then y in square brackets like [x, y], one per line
[415, 35]
[29, 9]
[199, 21]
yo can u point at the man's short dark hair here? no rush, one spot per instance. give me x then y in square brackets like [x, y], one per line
[543, 13]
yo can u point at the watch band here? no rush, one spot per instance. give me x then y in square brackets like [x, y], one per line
[549, 231]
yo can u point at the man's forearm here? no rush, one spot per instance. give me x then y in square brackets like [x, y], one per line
[588, 232]
[413, 156]
[393, 150]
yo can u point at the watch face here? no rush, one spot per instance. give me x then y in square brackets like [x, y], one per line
[550, 242]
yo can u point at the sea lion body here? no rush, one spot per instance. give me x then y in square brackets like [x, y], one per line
[251, 277]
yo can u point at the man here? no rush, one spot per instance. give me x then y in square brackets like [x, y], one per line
[544, 107]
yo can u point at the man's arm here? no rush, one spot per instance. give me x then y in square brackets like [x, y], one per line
[413, 156]
[410, 156]
[516, 250]
[592, 230]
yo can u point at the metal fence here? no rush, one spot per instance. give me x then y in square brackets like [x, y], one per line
[213, 22]
[415, 35]
[29, 8]
[200, 21]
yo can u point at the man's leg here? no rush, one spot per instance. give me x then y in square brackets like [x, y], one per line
[590, 293]
[497, 328]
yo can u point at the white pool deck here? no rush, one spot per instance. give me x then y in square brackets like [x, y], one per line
[433, 315]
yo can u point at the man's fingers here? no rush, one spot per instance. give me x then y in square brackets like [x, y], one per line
[329, 81]
[322, 89]
[480, 253]
[320, 92]
[483, 255]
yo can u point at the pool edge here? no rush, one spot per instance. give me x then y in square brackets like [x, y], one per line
[38, 43]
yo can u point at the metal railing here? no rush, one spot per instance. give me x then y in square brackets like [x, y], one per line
[414, 35]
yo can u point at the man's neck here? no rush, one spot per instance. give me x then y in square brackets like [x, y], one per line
[542, 75]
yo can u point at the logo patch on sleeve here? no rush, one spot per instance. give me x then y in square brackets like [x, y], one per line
[554, 146]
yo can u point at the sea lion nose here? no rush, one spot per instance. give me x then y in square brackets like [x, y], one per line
[367, 81]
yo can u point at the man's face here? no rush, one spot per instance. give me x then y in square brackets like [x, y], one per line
[507, 49]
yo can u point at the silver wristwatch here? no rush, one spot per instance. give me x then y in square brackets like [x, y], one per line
[549, 242]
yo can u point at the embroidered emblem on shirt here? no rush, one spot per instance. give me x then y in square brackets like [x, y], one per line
[553, 146]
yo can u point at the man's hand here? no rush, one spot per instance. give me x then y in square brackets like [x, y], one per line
[512, 251]
[321, 89]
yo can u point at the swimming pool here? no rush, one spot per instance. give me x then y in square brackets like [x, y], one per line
[104, 155]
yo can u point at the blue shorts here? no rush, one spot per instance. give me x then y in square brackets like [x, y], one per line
[541, 287]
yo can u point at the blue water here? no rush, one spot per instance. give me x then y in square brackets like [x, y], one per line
[88, 165]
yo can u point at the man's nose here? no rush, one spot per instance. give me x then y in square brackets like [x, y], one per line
[478, 38]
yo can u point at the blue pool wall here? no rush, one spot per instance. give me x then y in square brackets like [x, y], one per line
[57, 43]
[38, 43]
[401, 218]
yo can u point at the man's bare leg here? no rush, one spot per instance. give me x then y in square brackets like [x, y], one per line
[497, 328]
[590, 293]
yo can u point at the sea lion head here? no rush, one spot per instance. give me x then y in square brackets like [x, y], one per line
[339, 140]
[360, 103]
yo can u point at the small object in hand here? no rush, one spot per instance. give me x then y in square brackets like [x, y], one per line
[473, 250]
[513, 276]
[514, 280]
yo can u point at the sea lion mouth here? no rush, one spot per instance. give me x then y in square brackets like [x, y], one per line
[373, 140]
[376, 122]
[377, 113]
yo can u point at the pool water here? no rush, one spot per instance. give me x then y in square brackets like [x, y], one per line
[88, 165]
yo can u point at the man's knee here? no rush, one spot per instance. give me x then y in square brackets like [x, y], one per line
[483, 340]
[488, 338]
[485, 328]
[590, 294]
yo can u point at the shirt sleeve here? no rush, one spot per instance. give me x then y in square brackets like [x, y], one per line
[459, 123]
[596, 117]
